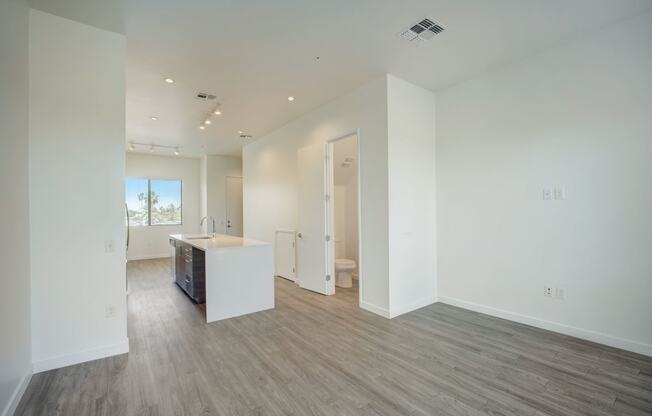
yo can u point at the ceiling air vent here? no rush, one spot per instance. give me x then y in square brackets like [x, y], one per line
[205, 97]
[426, 29]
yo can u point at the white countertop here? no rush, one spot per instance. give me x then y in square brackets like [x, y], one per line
[220, 241]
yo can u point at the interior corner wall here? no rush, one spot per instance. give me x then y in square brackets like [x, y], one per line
[270, 178]
[411, 196]
[76, 191]
[577, 117]
[150, 242]
[216, 169]
[15, 346]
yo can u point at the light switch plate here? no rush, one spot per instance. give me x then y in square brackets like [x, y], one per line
[560, 193]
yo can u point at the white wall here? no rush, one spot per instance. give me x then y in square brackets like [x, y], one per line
[578, 116]
[15, 346]
[340, 220]
[77, 166]
[270, 178]
[351, 234]
[217, 168]
[411, 151]
[149, 242]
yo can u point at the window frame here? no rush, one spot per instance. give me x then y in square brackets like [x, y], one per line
[149, 200]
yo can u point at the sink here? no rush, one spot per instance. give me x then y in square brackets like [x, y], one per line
[200, 237]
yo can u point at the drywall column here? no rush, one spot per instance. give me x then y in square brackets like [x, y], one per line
[15, 347]
[77, 167]
[411, 196]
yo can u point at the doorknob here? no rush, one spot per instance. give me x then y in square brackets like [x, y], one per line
[299, 235]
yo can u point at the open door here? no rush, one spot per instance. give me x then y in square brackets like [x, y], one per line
[311, 234]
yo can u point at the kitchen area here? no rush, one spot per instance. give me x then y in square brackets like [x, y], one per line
[189, 209]
[232, 275]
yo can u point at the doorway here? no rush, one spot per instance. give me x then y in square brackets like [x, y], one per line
[343, 213]
[316, 245]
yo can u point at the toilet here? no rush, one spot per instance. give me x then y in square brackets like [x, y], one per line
[343, 270]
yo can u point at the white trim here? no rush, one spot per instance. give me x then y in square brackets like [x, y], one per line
[394, 312]
[81, 356]
[149, 256]
[14, 400]
[374, 309]
[600, 338]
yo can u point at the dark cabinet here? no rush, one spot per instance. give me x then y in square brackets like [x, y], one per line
[190, 271]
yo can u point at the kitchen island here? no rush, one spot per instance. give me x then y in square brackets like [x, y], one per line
[233, 275]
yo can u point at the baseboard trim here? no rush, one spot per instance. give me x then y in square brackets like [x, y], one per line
[149, 257]
[370, 307]
[81, 357]
[394, 312]
[11, 407]
[589, 335]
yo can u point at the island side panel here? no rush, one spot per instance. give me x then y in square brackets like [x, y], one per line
[239, 280]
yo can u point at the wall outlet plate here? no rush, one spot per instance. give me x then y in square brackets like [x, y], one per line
[547, 194]
[109, 311]
[547, 291]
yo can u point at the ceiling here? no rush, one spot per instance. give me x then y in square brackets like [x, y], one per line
[253, 54]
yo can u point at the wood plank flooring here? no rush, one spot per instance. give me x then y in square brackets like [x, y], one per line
[318, 355]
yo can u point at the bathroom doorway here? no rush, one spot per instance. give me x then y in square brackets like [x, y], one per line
[343, 215]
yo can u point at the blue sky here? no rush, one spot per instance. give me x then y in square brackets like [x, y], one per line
[169, 191]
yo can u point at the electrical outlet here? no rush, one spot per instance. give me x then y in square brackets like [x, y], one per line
[547, 194]
[547, 291]
[559, 293]
[109, 246]
[109, 311]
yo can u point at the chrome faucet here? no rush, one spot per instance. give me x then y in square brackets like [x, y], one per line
[201, 224]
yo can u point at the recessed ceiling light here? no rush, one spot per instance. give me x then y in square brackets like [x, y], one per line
[290, 98]
[217, 112]
[207, 122]
[202, 127]
[169, 80]
[154, 118]
[240, 132]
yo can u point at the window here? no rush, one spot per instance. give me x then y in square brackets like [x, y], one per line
[153, 201]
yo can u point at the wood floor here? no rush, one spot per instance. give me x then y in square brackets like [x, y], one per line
[318, 355]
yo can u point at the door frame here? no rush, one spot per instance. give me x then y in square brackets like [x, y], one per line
[330, 211]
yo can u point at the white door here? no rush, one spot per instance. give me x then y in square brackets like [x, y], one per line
[234, 206]
[284, 254]
[311, 234]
